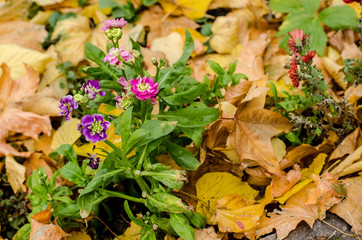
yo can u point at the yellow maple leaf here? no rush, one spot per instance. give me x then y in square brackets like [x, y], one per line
[216, 185]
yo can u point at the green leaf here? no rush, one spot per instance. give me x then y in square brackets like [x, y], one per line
[74, 174]
[163, 223]
[165, 202]
[339, 17]
[96, 55]
[23, 232]
[192, 117]
[149, 131]
[85, 203]
[310, 6]
[318, 38]
[216, 67]
[186, 96]
[182, 157]
[110, 85]
[137, 221]
[283, 6]
[194, 133]
[36, 185]
[180, 65]
[122, 125]
[148, 3]
[107, 4]
[67, 150]
[182, 226]
[197, 219]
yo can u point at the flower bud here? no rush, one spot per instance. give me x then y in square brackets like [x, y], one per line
[79, 98]
[154, 61]
[116, 33]
[162, 62]
[136, 53]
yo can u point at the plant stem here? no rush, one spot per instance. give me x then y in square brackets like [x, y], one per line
[119, 153]
[124, 196]
[142, 158]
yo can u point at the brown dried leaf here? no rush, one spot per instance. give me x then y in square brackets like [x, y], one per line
[37, 160]
[206, 234]
[16, 174]
[350, 209]
[282, 184]
[225, 34]
[347, 146]
[171, 46]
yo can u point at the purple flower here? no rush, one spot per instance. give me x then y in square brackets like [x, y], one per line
[144, 88]
[66, 106]
[114, 23]
[94, 128]
[112, 56]
[93, 159]
[92, 89]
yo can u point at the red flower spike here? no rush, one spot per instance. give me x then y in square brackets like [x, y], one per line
[297, 39]
[310, 55]
[293, 72]
[351, 1]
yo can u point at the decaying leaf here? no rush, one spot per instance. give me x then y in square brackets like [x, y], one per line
[350, 209]
[206, 234]
[216, 185]
[353, 163]
[171, 46]
[16, 174]
[282, 184]
[79, 236]
[66, 134]
[131, 233]
[225, 30]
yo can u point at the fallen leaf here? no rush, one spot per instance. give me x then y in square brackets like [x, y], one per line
[14, 93]
[25, 34]
[258, 176]
[131, 233]
[41, 230]
[37, 160]
[16, 174]
[189, 8]
[216, 185]
[66, 134]
[44, 102]
[282, 184]
[206, 234]
[16, 56]
[225, 34]
[235, 94]
[350, 209]
[74, 33]
[15, 9]
[42, 17]
[335, 70]
[171, 46]
[351, 164]
[279, 148]
[233, 213]
[347, 146]
[47, 2]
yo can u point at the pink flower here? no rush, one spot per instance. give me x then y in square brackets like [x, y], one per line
[297, 40]
[126, 55]
[114, 23]
[112, 56]
[310, 55]
[123, 82]
[293, 72]
[144, 88]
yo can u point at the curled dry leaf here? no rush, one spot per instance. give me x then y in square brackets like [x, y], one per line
[282, 184]
[258, 176]
[350, 209]
[347, 146]
[37, 160]
[206, 234]
[352, 163]
[216, 185]
[13, 93]
[16, 174]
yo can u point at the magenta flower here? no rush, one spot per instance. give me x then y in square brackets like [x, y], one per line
[92, 88]
[144, 88]
[297, 40]
[123, 82]
[93, 159]
[66, 106]
[94, 128]
[114, 23]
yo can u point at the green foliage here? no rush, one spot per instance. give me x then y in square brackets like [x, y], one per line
[304, 15]
[353, 70]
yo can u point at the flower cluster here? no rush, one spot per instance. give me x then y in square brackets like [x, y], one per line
[93, 159]
[144, 88]
[114, 23]
[298, 46]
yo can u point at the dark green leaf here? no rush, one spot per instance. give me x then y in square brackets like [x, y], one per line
[283, 6]
[186, 96]
[122, 125]
[194, 133]
[182, 226]
[197, 219]
[182, 157]
[74, 174]
[67, 150]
